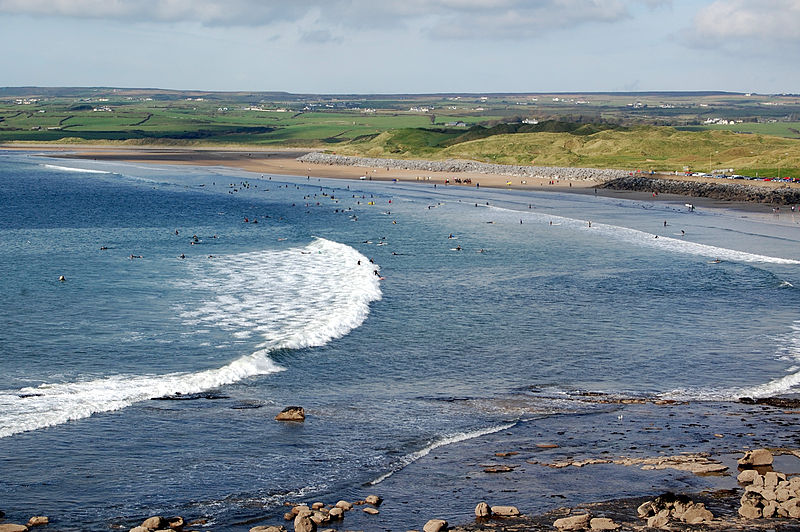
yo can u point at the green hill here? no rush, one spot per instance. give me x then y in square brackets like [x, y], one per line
[644, 147]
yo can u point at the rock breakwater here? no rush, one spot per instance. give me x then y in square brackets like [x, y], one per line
[724, 190]
[461, 166]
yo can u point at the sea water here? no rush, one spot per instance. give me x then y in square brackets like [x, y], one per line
[198, 302]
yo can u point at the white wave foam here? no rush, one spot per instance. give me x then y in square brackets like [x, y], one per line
[665, 243]
[788, 383]
[441, 442]
[302, 297]
[73, 169]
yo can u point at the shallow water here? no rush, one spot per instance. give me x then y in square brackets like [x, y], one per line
[452, 345]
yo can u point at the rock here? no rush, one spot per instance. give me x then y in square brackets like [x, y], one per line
[371, 511]
[505, 511]
[575, 522]
[782, 495]
[344, 505]
[268, 529]
[374, 500]
[292, 413]
[303, 523]
[302, 509]
[336, 513]
[139, 529]
[646, 510]
[756, 457]
[771, 480]
[661, 519]
[747, 476]
[175, 523]
[320, 518]
[483, 510]
[317, 505]
[750, 512]
[697, 514]
[288, 516]
[498, 469]
[770, 509]
[154, 523]
[38, 520]
[603, 523]
[435, 525]
[547, 445]
[10, 527]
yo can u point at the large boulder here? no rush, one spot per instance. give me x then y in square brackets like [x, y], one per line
[10, 527]
[755, 458]
[435, 525]
[373, 500]
[575, 522]
[38, 520]
[344, 505]
[268, 529]
[483, 510]
[303, 523]
[292, 413]
[155, 523]
[505, 511]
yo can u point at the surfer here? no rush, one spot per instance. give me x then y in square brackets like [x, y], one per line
[683, 233]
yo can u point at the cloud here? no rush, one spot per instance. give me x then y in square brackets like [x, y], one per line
[453, 18]
[760, 20]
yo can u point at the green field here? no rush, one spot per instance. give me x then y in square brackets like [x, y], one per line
[647, 131]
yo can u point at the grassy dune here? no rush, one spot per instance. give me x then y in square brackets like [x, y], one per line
[644, 148]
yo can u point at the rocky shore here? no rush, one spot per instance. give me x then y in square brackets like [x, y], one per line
[463, 166]
[724, 190]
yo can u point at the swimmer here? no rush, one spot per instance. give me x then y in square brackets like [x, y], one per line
[182, 256]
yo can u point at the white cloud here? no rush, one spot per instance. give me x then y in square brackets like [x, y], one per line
[455, 18]
[763, 20]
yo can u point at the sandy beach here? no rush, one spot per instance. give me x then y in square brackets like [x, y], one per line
[285, 162]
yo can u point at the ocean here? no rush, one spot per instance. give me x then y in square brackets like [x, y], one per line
[412, 323]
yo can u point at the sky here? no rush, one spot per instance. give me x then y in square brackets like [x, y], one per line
[406, 46]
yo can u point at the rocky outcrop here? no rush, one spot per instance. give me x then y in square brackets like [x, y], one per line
[11, 527]
[724, 190]
[459, 165]
[292, 413]
[769, 495]
[268, 529]
[660, 511]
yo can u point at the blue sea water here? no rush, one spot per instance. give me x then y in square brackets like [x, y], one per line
[147, 383]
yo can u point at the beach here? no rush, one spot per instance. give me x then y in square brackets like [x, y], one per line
[285, 162]
[534, 347]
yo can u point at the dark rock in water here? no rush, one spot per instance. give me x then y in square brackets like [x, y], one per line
[27, 395]
[246, 405]
[292, 413]
[780, 402]
[211, 396]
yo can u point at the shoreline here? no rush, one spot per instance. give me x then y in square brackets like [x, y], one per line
[659, 188]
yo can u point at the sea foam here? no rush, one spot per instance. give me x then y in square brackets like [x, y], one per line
[73, 169]
[650, 240]
[293, 298]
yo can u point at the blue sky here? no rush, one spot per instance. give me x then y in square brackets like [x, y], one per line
[410, 46]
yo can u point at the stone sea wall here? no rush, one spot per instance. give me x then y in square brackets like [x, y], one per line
[458, 165]
[724, 190]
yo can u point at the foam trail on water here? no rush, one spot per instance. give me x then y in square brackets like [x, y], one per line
[781, 385]
[665, 243]
[294, 298]
[73, 169]
[441, 442]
